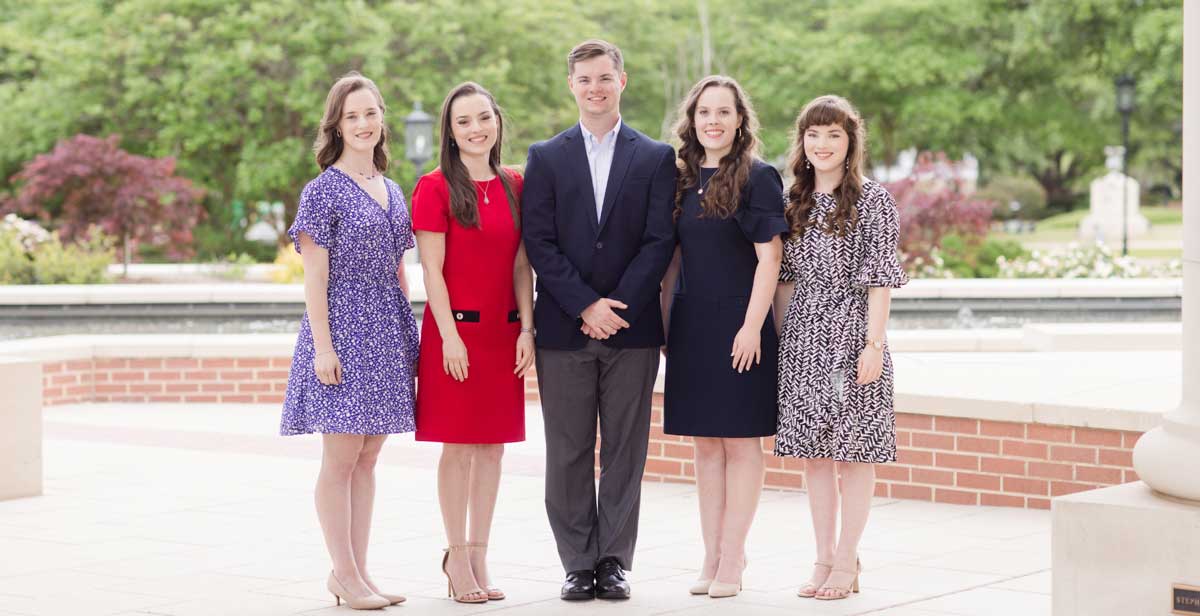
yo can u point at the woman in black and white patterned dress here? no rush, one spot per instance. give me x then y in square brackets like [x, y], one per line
[835, 374]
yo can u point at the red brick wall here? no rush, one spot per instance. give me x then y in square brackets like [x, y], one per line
[943, 459]
[166, 379]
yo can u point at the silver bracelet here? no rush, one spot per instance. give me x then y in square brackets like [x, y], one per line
[528, 330]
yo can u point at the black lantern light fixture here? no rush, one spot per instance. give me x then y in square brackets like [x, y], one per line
[1126, 88]
[418, 137]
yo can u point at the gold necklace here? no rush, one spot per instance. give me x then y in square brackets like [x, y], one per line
[705, 182]
[487, 200]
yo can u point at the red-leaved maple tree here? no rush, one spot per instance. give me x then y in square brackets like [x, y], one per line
[88, 181]
[928, 212]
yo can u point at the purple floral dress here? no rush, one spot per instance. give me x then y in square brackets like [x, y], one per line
[370, 320]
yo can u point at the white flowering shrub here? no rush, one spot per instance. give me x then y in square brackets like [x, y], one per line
[931, 266]
[30, 254]
[1086, 261]
[26, 232]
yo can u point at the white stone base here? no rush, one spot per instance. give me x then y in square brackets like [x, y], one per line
[1095, 228]
[20, 428]
[1117, 551]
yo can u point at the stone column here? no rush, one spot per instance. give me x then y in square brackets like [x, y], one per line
[1167, 457]
[20, 428]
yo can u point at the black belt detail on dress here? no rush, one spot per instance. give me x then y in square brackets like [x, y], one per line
[473, 316]
[466, 316]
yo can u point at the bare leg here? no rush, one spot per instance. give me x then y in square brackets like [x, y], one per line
[710, 488]
[743, 488]
[858, 486]
[484, 486]
[821, 476]
[454, 474]
[339, 457]
[362, 503]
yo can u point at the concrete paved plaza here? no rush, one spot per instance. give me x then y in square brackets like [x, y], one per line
[201, 510]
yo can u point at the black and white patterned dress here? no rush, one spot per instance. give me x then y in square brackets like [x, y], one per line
[822, 412]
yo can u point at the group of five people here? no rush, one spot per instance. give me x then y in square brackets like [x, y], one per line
[770, 306]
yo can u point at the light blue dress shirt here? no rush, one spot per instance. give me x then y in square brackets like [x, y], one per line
[600, 156]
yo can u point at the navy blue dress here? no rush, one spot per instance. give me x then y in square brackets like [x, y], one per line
[704, 395]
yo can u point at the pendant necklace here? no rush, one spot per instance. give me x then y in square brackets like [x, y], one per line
[705, 183]
[368, 178]
[487, 200]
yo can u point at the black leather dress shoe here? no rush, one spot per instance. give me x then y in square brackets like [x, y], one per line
[610, 580]
[580, 586]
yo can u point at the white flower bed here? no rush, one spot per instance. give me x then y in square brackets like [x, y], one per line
[1086, 261]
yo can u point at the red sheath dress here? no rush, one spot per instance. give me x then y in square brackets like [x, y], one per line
[489, 406]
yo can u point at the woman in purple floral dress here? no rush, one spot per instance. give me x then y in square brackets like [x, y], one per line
[352, 372]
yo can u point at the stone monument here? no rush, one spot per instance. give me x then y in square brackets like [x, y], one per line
[1103, 222]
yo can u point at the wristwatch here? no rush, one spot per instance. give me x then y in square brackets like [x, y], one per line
[879, 345]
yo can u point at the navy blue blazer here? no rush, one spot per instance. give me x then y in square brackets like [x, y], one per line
[579, 259]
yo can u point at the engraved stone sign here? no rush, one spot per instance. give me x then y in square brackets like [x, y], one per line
[1185, 599]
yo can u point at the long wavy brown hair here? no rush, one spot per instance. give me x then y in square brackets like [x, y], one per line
[723, 193]
[824, 111]
[328, 144]
[464, 200]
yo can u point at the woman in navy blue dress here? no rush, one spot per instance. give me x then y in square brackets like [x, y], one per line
[721, 340]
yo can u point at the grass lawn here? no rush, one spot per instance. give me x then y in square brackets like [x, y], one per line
[1069, 221]
[1164, 240]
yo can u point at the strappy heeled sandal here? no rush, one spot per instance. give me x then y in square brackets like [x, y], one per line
[842, 592]
[809, 590]
[466, 597]
[493, 593]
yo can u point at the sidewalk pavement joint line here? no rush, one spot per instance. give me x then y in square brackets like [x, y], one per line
[953, 592]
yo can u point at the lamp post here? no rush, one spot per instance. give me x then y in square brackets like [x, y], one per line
[1126, 85]
[418, 137]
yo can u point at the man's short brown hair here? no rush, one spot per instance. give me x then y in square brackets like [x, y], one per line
[593, 48]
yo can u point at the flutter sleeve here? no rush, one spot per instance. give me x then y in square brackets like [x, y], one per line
[760, 215]
[786, 272]
[881, 263]
[316, 215]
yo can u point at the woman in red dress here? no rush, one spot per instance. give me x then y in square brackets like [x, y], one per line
[477, 331]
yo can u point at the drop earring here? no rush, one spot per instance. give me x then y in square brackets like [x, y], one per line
[807, 164]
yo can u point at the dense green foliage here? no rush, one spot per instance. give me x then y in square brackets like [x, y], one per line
[972, 258]
[233, 89]
[1015, 197]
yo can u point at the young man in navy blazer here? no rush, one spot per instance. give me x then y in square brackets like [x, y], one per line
[597, 224]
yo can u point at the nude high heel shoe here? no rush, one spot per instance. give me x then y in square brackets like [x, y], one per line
[842, 593]
[464, 597]
[700, 587]
[493, 593]
[809, 590]
[369, 602]
[720, 590]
